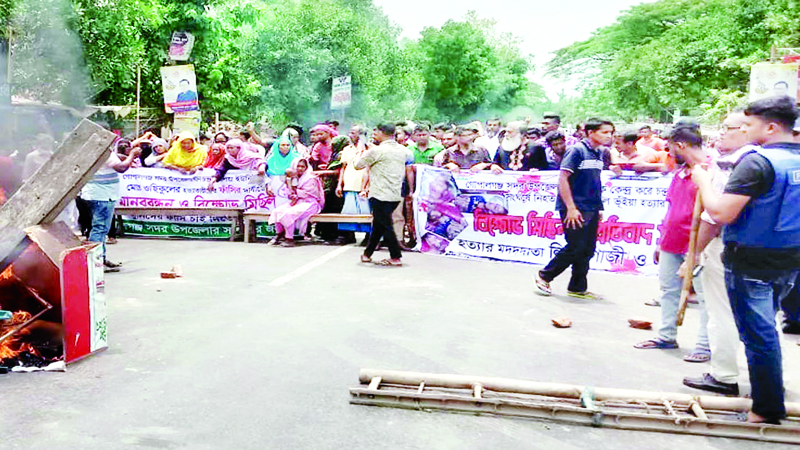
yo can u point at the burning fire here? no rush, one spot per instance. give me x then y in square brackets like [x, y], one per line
[12, 347]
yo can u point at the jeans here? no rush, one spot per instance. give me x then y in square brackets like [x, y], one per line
[671, 283]
[577, 253]
[791, 304]
[755, 297]
[102, 216]
[382, 228]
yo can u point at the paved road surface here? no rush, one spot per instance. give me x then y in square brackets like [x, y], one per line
[256, 348]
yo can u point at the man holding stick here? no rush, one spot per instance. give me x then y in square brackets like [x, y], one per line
[760, 209]
[686, 146]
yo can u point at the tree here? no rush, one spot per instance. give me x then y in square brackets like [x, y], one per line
[674, 54]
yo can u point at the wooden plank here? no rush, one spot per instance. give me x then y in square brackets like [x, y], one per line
[213, 212]
[59, 180]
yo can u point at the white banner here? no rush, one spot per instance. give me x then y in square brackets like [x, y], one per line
[340, 92]
[512, 217]
[153, 188]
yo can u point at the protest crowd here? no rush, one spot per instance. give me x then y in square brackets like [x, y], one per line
[749, 235]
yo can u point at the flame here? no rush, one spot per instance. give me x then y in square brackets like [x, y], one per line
[8, 273]
[11, 347]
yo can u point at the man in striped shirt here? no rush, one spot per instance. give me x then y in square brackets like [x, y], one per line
[101, 193]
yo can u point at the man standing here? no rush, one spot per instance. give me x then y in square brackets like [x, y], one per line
[387, 167]
[552, 122]
[579, 204]
[101, 194]
[491, 140]
[761, 212]
[640, 158]
[686, 145]
[424, 147]
[723, 338]
[549, 157]
[649, 139]
[513, 153]
[466, 156]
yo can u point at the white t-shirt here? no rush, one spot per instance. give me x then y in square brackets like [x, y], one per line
[491, 144]
[104, 185]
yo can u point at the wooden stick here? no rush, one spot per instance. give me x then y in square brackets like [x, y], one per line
[691, 258]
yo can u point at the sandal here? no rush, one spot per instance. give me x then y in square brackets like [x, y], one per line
[389, 263]
[542, 285]
[698, 356]
[585, 295]
[366, 259]
[287, 243]
[653, 302]
[656, 343]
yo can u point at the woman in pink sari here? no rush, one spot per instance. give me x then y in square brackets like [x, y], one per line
[306, 199]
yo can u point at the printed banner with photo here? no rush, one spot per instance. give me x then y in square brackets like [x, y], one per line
[768, 79]
[180, 88]
[154, 188]
[512, 217]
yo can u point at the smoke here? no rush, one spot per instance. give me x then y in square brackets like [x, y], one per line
[48, 77]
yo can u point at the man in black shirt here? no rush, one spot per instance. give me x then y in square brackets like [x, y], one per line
[579, 205]
[761, 212]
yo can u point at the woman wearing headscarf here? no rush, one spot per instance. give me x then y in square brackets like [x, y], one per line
[280, 158]
[221, 138]
[185, 155]
[216, 155]
[156, 159]
[294, 137]
[238, 155]
[306, 199]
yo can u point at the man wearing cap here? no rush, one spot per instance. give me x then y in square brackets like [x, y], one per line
[513, 153]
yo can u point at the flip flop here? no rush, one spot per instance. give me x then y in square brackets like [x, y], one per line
[653, 302]
[388, 263]
[542, 286]
[366, 259]
[656, 343]
[698, 356]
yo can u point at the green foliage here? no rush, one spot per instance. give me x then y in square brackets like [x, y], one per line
[675, 54]
[268, 60]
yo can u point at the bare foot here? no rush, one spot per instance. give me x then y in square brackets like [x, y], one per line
[754, 418]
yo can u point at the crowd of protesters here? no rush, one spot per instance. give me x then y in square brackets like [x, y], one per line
[749, 236]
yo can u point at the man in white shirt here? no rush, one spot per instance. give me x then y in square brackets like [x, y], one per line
[491, 140]
[101, 194]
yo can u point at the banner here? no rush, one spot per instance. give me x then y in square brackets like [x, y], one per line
[768, 79]
[187, 121]
[153, 188]
[512, 217]
[340, 93]
[180, 88]
[180, 46]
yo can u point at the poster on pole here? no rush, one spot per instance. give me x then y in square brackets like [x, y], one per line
[180, 47]
[180, 88]
[341, 93]
[768, 79]
[187, 121]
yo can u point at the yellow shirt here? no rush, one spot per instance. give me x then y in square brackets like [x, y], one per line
[353, 178]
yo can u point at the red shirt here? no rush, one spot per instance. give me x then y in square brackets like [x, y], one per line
[678, 221]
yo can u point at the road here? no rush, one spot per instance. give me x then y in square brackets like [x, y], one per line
[256, 347]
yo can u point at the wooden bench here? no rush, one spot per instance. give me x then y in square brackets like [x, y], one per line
[251, 217]
[234, 214]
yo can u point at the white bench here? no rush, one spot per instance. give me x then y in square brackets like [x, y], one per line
[251, 217]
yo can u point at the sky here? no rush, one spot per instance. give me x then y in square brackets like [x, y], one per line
[544, 26]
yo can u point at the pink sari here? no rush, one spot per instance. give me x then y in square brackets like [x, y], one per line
[310, 200]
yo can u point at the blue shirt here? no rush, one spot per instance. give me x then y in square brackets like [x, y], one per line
[585, 164]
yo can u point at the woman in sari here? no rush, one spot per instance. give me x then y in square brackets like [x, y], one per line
[280, 158]
[306, 199]
[238, 155]
[185, 155]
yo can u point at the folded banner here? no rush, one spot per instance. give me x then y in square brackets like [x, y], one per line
[512, 217]
[163, 188]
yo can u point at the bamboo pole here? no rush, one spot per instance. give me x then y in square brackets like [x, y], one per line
[559, 390]
[138, 98]
[691, 258]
